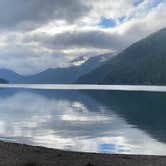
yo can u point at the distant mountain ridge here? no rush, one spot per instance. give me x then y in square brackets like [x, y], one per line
[57, 75]
[144, 62]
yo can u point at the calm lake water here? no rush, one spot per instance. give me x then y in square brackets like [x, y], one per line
[89, 121]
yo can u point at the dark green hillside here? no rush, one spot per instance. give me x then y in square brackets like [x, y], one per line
[142, 63]
[2, 81]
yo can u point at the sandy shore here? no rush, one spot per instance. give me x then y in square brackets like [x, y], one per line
[12, 154]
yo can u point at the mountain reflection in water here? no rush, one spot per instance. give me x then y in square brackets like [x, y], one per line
[88, 121]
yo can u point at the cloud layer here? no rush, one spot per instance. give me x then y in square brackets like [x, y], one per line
[36, 35]
[31, 14]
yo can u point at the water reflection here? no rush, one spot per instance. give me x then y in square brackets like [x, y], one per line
[113, 122]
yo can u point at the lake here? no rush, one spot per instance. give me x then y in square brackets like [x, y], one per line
[102, 121]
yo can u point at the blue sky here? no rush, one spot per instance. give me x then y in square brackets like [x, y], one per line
[137, 2]
[110, 22]
[153, 3]
[107, 22]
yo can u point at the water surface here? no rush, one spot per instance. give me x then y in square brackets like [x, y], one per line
[127, 122]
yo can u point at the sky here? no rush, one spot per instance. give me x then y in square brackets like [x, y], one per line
[41, 34]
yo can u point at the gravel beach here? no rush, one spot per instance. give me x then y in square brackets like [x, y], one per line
[12, 154]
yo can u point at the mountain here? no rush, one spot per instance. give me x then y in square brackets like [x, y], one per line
[144, 62]
[58, 75]
[79, 60]
[2, 81]
[9, 75]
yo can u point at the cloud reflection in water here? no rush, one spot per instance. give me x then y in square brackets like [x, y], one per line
[70, 123]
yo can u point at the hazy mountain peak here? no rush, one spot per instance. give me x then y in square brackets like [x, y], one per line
[79, 60]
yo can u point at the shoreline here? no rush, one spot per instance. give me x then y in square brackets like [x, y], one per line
[14, 154]
[96, 87]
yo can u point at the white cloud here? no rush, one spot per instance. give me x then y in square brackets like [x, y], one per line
[60, 31]
[25, 60]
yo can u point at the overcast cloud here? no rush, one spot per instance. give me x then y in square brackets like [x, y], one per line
[29, 14]
[39, 34]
